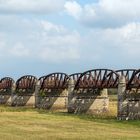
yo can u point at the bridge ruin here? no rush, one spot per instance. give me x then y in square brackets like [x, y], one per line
[85, 92]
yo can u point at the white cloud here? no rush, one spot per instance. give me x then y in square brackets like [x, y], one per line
[33, 41]
[121, 8]
[119, 43]
[44, 41]
[67, 39]
[105, 13]
[53, 28]
[19, 50]
[58, 43]
[33, 6]
[49, 42]
[59, 54]
[73, 8]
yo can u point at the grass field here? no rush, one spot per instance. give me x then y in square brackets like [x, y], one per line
[33, 124]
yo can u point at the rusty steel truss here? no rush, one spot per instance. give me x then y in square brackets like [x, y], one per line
[106, 78]
[75, 77]
[97, 79]
[135, 80]
[128, 74]
[26, 84]
[91, 79]
[55, 81]
[6, 84]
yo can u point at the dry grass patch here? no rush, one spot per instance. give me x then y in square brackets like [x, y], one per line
[33, 124]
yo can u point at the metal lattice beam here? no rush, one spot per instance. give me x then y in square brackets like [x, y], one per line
[97, 79]
[54, 81]
[26, 83]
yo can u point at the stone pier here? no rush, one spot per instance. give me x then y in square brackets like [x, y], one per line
[23, 99]
[6, 96]
[128, 102]
[53, 99]
[87, 102]
[122, 102]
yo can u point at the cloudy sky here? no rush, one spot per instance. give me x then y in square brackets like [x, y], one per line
[42, 36]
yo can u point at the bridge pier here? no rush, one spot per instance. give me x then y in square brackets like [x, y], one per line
[87, 102]
[37, 88]
[122, 103]
[53, 100]
[128, 102]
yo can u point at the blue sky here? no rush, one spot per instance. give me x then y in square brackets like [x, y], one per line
[40, 37]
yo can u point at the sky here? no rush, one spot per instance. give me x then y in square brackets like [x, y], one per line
[38, 37]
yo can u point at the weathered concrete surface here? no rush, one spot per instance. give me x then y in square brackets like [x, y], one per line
[133, 107]
[122, 102]
[53, 100]
[130, 109]
[128, 102]
[23, 100]
[5, 99]
[88, 102]
[6, 95]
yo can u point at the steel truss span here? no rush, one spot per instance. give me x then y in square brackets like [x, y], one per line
[54, 81]
[26, 83]
[91, 79]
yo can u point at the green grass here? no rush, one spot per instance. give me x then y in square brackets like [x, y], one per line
[33, 124]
